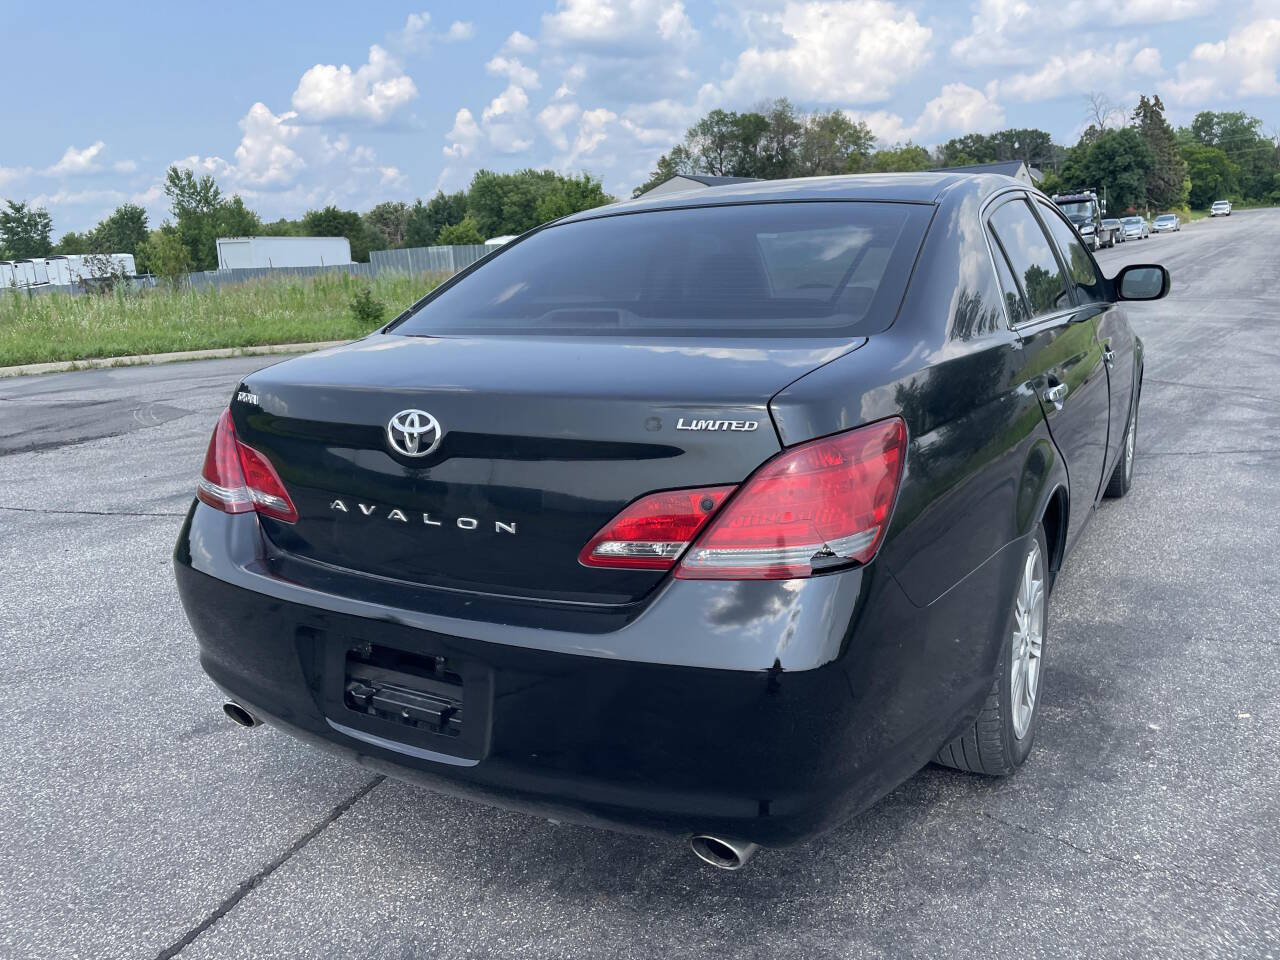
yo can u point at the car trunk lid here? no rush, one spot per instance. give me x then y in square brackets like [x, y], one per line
[543, 441]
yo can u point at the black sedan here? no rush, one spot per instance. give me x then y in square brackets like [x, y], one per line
[714, 515]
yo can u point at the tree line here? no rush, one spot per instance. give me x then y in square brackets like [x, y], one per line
[495, 204]
[1141, 162]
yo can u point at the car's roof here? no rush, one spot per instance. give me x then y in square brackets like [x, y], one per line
[925, 187]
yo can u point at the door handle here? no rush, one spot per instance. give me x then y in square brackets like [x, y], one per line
[1056, 394]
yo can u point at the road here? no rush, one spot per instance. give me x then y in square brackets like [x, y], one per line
[135, 821]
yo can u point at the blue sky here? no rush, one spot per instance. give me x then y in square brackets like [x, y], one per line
[297, 106]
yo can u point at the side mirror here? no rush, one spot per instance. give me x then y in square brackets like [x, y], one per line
[1142, 281]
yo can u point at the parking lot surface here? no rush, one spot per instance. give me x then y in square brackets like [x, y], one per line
[135, 821]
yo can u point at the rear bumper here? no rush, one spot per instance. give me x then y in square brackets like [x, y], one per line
[796, 728]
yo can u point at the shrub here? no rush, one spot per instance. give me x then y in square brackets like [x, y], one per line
[366, 309]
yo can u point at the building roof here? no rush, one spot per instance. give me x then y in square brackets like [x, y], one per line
[1010, 168]
[708, 181]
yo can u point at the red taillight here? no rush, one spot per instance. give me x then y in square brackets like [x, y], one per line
[237, 479]
[827, 500]
[651, 533]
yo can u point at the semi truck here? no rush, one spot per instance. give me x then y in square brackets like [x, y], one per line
[1085, 210]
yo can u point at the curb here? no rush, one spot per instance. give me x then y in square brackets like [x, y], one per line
[147, 359]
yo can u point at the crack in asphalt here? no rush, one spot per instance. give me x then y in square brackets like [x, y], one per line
[266, 871]
[1129, 864]
[92, 513]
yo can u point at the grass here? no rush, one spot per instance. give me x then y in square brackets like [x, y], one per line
[36, 328]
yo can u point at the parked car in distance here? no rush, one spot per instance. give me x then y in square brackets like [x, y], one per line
[1220, 208]
[1116, 229]
[1166, 223]
[712, 515]
[1135, 228]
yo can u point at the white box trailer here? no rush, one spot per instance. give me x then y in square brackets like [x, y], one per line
[239, 252]
[7, 278]
[30, 273]
[75, 268]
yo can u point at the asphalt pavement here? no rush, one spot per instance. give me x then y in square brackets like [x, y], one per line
[135, 821]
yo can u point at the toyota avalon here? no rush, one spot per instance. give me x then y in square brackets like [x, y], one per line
[713, 515]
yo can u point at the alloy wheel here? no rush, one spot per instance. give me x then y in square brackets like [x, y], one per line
[1028, 641]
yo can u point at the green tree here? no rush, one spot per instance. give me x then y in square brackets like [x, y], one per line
[124, 231]
[1168, 169]
[166, 255]
[511, 203]
[234, 219]
[72, 243]
[723, 143]
[425, 220]
[333, 222]
[1212, 174]
[832, 143]
[25, 232]
[388, 224]
[284, 227]
[1255, 158]
[194, 202]
[1116, 163]
[570, 195]
[1033, 147]
[901, 157]
[464, 232]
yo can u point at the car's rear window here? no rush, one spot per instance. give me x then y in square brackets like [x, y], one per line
[836, 268]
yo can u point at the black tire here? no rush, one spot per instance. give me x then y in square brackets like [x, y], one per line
[1122, 477]
[990, 745]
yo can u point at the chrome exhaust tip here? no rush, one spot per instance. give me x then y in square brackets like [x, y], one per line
[238, 714]
[721, 853]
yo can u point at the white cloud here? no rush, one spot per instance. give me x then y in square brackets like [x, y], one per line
[573, 77]
[63, 198]
[125, 166]
[1147, 62]
[591, 132]
[630, 26]
[372, 92]
[958, 108]
[554, 118]
[79, 161]
[834, 51]
[415, 35]
[659, 122]
[520, 43]
[1077, 70]
[11, 174]
[265, 156]
[1245, 64]
[391, 177]
[1024, 32]
[459, 30]
[508, 138]
[462, 136]
[510, 102]
[514, 71]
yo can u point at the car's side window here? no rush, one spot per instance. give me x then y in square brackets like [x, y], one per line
[1079, 264]
[1015, 306]
[1031, 256]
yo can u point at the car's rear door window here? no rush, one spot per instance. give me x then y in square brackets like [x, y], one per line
[830, 268]
[1031, 256]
